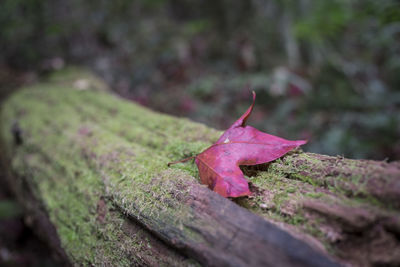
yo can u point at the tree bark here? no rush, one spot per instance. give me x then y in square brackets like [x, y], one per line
[91, 170]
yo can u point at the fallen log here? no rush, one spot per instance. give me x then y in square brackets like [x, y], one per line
[91, 170]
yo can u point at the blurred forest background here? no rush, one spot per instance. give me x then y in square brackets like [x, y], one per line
[324, 70]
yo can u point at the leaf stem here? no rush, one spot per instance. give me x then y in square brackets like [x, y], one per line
[180, 161]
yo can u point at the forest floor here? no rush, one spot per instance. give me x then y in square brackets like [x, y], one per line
[19, 246]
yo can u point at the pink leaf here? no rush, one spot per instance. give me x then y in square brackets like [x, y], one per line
[239, 145]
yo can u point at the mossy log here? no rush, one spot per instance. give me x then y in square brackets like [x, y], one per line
[91, 170]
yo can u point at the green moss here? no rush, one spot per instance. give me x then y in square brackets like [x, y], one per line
[297, 219]
[76, 153]
[291, 190]
[314, 195]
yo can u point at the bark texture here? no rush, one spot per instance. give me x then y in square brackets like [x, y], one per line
[91, 169]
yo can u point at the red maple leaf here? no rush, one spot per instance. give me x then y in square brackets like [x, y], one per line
[240, 145]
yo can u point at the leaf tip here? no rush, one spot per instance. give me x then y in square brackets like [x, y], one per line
[302, 142]
[241, 122]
